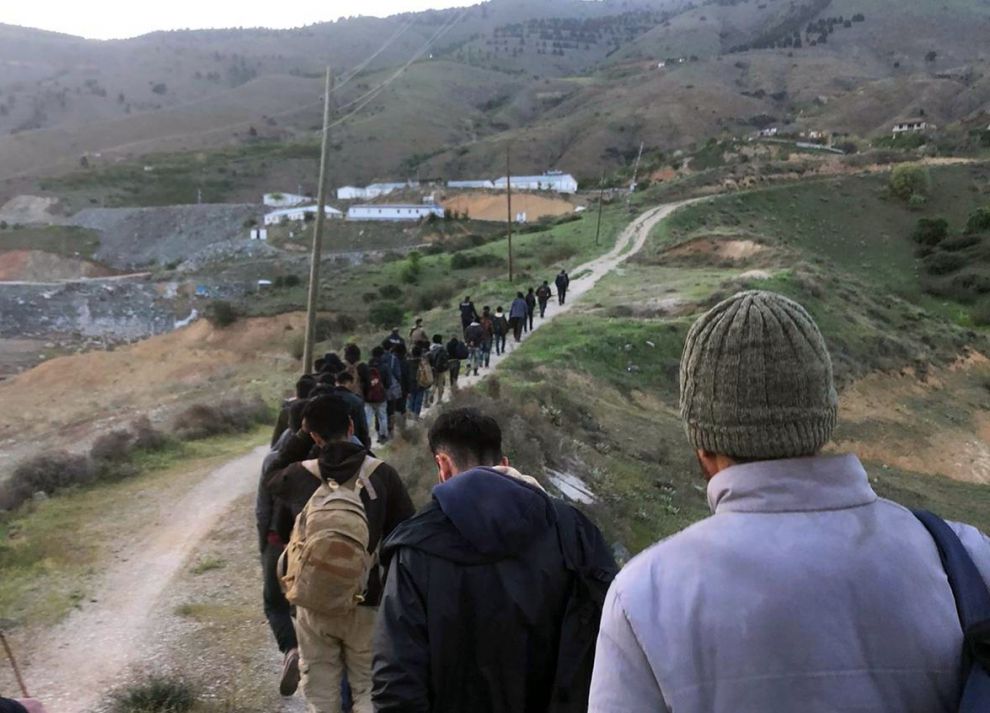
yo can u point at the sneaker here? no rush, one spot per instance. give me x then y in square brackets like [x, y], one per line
[289, 682]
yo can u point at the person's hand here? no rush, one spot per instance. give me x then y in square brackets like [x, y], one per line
[31, 705]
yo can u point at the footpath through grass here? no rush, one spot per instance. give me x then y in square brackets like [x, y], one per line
[52, 552]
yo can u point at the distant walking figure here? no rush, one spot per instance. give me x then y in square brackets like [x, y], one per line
[543, 295]
[500, 325]
[562, 282]
[517, 315]
[468, 314]
[530, 307]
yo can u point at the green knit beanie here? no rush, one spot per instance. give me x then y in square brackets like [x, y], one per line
[756, 380]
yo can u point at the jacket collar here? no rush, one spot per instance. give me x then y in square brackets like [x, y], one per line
[791, 485]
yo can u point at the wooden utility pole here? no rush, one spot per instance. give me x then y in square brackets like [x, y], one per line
[601, 197]
[321, 202]
[508, 194]
[632, 187]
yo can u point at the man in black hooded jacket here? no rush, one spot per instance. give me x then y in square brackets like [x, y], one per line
[479, 610]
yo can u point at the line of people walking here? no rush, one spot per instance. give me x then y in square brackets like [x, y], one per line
[803, 591]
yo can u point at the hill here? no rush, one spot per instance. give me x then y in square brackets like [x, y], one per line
[569, 83]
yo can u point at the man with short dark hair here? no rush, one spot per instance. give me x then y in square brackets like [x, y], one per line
[355, 404]
[478, 605]
[329, 646]
[804, 591]
[304, 385]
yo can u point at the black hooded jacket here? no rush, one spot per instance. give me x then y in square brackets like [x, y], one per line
[475, 600]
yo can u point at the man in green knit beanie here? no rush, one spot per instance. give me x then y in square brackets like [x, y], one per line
[803, 591]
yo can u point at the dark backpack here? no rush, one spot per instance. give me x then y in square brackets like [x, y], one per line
[440, 360]
[973, 604]
[462, 351]
[376, 387]
[587, 558]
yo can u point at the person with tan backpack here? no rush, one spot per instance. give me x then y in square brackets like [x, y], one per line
[345, 503]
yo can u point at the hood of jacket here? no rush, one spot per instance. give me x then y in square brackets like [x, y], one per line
[341, 461]
[483, 515]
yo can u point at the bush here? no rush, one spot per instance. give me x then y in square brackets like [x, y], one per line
[146, 436]
[220, 313]
[390, 292]
[941, 263]
[345, 323]
[112, 447]
[156, 694]
[46, 473]
[917, 202]
[981, 314]
[411, 271]
[386, 314]
[297, 346]
[436, 296]
[228, 416]
[931, 231]
[461, 261]
[961, 242]
[979, 220]
[369, 296]
[909, 179]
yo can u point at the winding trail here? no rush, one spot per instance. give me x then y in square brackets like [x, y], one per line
[92, 649]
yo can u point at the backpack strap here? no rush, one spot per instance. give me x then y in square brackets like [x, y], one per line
[973, 604]
[368, 468]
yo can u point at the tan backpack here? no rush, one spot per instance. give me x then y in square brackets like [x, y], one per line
[326, 564]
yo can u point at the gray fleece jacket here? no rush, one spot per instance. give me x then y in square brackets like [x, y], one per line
[803, 592]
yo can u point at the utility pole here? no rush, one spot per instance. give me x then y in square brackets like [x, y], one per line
[508, 194]
[314, 266]
[632, 187]
[601, 197]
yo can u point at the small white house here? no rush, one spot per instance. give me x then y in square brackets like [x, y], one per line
[259, 233]
[485, 185]
[374, 190]
[289, 215]
[284, 200]
[352, 193]
[395, 212]
[910, 126]
[550, 181]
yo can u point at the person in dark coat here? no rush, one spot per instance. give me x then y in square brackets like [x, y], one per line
[21, 705]
[543, 295]
[562, 282]
[304, 385]
[500, 326]
[468, 313]
[530, 307]
[458, 352]
[477, 591]
[517, 315]
[355, 403]
[328, 429]
[393, 340]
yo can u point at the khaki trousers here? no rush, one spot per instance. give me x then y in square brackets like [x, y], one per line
[329, 646]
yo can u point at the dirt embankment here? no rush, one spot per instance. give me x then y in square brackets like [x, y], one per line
[39, 266]
[64, 402]
[492, 206]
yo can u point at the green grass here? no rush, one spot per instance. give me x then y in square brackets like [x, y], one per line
[208, 564]
[63, 240]
[51, 552]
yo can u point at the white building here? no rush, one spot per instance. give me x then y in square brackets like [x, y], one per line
[396, 212]
[259, 233]
[489, 185]
[284, 200]
[910, 126]
[549, 181]
[288, 215]
[374, 190]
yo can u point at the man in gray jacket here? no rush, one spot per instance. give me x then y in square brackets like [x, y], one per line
[804, 591]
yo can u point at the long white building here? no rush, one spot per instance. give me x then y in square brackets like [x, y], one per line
[374, 190]
[550, 181]
[471, 184]
[394, 212]
[288, 215]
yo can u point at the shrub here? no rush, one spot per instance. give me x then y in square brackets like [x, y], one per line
[931, 231]
[345, 323]
[981, 314]
[112, 447]
[436, 296]
[390, 292]
[220, 313]
[386, 314]
[156, 694]
[461, 261]
[146, 436]
[909, 179]
[323, 329]
[369, 296]
[46, 473]
[297, 346]
[412, 269]
[941, 263]
[917, 202]
[228, 416]
[979, 220]
[292, 281]
[961, 242]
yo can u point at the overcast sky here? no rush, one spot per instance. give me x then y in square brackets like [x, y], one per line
[111, 19]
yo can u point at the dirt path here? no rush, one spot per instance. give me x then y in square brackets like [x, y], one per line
[629, 242]
[91, 650]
